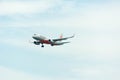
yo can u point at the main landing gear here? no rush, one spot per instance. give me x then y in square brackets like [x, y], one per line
[42, 45]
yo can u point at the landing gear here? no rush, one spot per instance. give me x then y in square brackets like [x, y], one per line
[42, 45]
[52, 45]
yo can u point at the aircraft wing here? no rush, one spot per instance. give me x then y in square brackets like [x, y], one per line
[60, 39]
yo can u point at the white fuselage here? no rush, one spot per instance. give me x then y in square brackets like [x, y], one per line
[43, 40]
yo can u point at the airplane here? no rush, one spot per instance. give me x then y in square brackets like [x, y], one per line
[39, 39]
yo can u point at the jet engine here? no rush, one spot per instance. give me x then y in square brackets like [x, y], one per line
[51, 41]
[37, 43]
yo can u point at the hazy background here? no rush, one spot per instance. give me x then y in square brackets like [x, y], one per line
[93, 54]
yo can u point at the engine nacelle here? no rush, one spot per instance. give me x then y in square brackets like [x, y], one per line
[51, 41]
[36, 43]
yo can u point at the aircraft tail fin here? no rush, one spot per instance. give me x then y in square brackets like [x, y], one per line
[61, 36]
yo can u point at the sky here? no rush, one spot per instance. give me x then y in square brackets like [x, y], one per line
[93, 53]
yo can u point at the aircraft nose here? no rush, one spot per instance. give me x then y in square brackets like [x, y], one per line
[33, 36]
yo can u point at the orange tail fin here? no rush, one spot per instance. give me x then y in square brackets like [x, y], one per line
[61, 36]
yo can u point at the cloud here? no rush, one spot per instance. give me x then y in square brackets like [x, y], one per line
[91, 16]
[24, 7]
[95, 46]
[10, 74]
[97, 26]
[98, 72]
[63, 14]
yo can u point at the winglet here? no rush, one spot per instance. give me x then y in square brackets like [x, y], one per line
[72, 36]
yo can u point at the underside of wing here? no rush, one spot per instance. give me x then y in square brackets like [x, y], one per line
[60, 39]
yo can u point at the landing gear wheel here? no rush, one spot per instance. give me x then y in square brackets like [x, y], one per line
[52, 45]
[42, 46]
